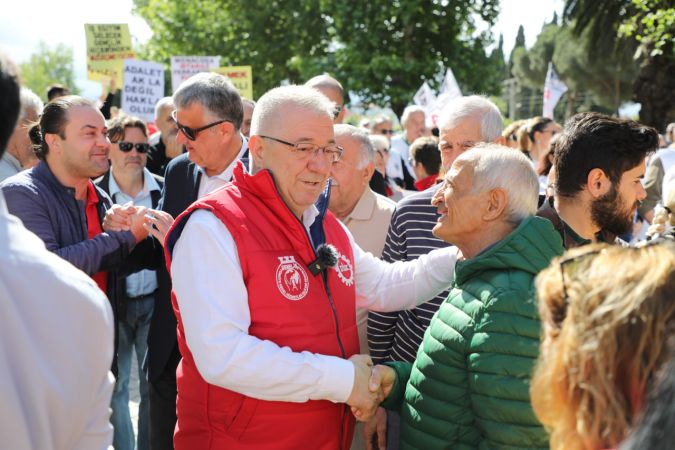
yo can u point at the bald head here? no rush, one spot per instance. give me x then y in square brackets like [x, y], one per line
[331, 88]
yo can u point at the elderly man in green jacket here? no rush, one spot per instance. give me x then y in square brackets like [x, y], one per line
[469, 385]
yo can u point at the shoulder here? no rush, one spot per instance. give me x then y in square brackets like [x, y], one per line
[179, 164]
[384, 203]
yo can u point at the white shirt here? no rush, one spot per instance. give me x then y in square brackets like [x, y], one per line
[209, 184]
[213, 300]
[399, 147]
[144, 281]
[56, 347]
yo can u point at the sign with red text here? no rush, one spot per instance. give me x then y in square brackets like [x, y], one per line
[241, 77]
[143, 88]
[183, 67]
[108, 45]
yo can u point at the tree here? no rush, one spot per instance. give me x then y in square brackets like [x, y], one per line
[49, 66]
[612, 24]
[379, 49]
[385, 50]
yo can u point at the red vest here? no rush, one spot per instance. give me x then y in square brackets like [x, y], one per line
[289, 306]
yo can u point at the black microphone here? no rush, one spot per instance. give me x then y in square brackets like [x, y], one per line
[326, 256]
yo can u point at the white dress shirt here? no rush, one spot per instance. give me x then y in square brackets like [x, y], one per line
[209, 184]
[213, 300]
[56, 347]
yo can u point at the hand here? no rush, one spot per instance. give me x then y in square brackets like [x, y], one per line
[158, 223]
[138, 223]
[363, 400]
[377, 424]
[118, 218]
[383, 378]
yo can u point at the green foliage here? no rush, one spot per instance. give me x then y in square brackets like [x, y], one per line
[652, 25]
[49, 66]
[380, 49]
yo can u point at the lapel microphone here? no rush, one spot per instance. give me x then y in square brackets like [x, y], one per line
[326, 256]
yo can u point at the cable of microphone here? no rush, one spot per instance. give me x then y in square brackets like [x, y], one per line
[326, 256]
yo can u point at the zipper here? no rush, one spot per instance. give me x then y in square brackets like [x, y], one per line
[324, 279]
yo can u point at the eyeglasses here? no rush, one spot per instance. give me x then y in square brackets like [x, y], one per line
[303, 150]
[386, 132]
[141, 147]
[337, 110]
[191, 133]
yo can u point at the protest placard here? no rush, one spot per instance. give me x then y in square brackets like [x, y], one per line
[183, 67]
[241, 77]
[143, 88]
[108, 45]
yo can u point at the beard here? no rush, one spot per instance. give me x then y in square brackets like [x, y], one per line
[609, 214]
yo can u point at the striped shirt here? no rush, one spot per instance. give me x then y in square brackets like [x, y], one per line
[396, 336]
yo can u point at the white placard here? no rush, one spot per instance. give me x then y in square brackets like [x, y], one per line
[183, 67]
[143, 88]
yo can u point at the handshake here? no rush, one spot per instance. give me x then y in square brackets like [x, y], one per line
[371, 386]
[139, 220]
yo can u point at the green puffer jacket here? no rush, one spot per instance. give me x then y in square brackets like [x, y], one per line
[469, 385]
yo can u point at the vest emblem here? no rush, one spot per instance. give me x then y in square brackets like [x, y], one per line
[292, 279]
[345, 270]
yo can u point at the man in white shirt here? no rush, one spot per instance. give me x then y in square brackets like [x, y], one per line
[56, 333]
[209, 115]
[19, 154]
[266, 313]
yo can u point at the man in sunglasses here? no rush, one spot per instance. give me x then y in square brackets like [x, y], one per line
[266, 308]
[209, 115]
[128, 182]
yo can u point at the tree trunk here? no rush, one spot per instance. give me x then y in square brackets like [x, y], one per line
[654, 88]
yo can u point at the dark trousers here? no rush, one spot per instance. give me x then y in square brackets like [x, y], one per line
[163, 405]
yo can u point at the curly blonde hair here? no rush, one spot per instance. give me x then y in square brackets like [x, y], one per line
[607, 313]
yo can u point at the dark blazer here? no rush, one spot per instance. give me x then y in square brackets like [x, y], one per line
[154, 253]
[181, 186]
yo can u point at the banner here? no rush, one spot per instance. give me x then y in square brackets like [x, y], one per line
[241, 77]
[183, 67]
[108, 45]
[143, 88]
[554, 88]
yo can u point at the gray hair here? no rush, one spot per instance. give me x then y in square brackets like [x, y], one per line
[325, 81]
[163, 102]
[496, 166]
[410, 110]
[248, 102]
[215, 93]
[29, 100]
[474, 106]
[360, 136]
[379, 142]
[267, 111]
[379, 120]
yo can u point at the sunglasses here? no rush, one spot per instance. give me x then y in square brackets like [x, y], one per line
[191, 133]
[141, 147]
[386, 132]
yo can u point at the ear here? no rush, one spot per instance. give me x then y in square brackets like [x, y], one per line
[53, 142]
[341, 116]
[255, 149]
[501, 140]
[496, 203]
[227, 130]
[368, 173]
[597, 183]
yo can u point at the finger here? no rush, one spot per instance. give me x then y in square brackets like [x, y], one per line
[375, 379]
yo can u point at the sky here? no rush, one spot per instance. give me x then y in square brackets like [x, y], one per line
[54, 22]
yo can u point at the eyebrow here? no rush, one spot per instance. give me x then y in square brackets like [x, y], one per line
[89, 126]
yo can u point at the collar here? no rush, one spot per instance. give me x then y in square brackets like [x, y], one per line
[226, 175]
[12, 161]
[43, 172]
[309, 216]
[149, 184]
[363, 210]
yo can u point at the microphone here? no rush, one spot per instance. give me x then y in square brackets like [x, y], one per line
[326, 256]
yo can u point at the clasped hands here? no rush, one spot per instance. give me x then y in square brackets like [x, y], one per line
[372, 384]
[140, 220]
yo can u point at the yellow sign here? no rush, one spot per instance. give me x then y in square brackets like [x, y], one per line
[108, 45]
[241, 77]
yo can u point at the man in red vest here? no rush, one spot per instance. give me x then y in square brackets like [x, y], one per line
[265, 283]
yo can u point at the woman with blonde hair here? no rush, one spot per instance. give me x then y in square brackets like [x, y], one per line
[607, 313]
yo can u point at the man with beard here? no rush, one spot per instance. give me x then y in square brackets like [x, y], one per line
[163, 146]
[599, 164]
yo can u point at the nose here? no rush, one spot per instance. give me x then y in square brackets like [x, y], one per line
[318, 162]
[438, 197]
[642, 193]
[103, 141]
[180, 138]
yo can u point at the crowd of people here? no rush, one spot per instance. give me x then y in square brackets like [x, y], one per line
[288, 281]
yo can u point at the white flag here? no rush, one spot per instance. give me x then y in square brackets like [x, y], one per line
[449, 91]
[424, 97]
[554, 88]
